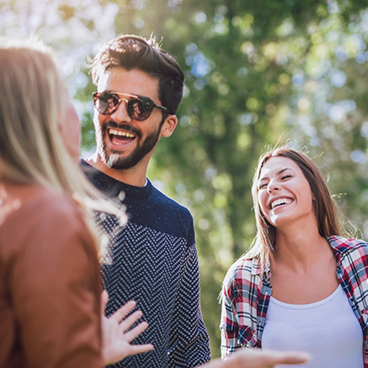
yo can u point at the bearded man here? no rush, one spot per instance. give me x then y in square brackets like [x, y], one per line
[153, 259]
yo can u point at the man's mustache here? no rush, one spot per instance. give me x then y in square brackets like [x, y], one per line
[126, 127]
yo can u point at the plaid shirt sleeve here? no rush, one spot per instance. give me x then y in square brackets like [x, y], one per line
[229, 324]
[239, 309]
[352, 272]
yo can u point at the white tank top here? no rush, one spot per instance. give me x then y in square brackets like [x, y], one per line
[328, 330]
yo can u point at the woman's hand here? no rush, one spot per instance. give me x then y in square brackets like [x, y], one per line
[257, 358]
[116, 338]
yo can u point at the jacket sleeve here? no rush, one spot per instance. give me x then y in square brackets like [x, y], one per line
[189, 342]
[54, 286]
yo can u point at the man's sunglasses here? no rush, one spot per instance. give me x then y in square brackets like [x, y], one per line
[137, 107]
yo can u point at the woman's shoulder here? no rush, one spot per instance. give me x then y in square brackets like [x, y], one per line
[245, 264]
[242, 271]
[27, 209]
[349, 250]
[342, 244]
[38, 220]
[30, 200]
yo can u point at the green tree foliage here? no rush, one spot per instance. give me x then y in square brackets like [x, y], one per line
[256, 72]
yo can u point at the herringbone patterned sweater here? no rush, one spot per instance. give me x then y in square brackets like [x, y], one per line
[153, 260]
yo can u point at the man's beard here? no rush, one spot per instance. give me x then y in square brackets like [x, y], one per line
[114, 160]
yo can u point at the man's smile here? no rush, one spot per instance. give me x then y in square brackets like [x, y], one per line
[120, 137]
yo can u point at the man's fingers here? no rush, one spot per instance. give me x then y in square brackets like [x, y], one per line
[136, 331]
[129, 321]
[138, 349]
[123, 311]
[104, 300]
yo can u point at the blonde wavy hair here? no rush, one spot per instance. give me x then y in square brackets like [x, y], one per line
[32, 150]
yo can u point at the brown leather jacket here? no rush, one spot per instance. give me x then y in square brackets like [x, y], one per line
[49, 282]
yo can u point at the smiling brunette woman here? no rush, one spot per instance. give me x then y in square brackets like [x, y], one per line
[301, 286]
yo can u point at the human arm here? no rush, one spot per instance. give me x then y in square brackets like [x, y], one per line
[229, 326]
[239, 313]
[116, 338]
[229, 322]
[257, 358]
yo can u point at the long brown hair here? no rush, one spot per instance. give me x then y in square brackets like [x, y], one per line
[324, 207]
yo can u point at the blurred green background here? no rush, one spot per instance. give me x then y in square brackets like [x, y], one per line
[257, 73]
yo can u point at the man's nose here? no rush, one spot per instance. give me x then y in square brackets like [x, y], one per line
[121, 113]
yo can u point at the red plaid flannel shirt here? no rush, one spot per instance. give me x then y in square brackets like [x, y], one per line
[247, 290]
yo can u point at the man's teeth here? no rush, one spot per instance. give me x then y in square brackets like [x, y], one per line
[123, 134]
[279, 202]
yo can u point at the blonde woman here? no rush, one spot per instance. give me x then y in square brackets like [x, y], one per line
[49, 270]
[302, 286]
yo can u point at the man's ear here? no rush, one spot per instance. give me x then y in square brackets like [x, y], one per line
[169, 126]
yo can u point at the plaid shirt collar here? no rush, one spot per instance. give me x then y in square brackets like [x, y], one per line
[339, 246]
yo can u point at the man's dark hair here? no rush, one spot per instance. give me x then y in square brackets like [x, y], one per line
[133, 52]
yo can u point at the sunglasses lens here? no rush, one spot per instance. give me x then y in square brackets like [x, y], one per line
[106, 103]
[139, 110]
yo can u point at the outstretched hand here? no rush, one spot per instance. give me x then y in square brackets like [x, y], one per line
[116, 338]
[257, 358]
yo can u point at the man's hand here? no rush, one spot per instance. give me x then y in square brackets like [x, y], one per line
[257, 358]
[115, 338]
